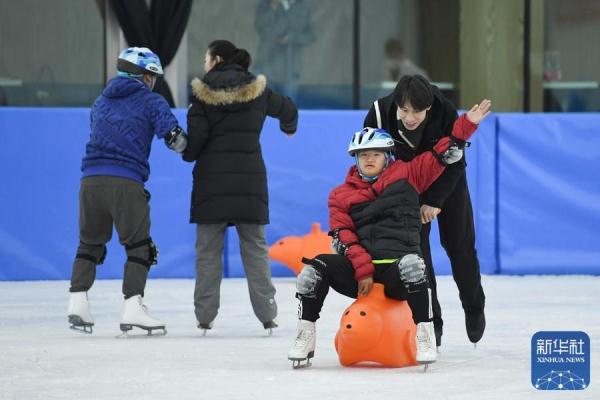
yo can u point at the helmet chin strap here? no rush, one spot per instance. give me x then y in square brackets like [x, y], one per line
[139, 77]
[154, 79]
[130, 75]
[389, 157]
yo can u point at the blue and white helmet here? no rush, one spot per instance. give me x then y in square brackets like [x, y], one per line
[137, 61]
[371, 139]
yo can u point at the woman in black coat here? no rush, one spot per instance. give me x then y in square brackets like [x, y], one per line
[225, 119]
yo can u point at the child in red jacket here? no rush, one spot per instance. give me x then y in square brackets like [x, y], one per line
[375, 223]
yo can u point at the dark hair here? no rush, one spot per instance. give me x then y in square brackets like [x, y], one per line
[229, 53]
[415, 90]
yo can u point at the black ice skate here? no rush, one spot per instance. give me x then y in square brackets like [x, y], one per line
[475, 324]
[135, 314]
[205, 326]
[269, 326]
[438, 336]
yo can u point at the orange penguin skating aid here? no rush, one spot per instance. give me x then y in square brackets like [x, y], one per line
[377, 329]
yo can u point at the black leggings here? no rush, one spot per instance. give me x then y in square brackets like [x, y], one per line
[337, 272]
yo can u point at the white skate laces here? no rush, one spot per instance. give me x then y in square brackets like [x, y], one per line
[303, 338]
[423, 343]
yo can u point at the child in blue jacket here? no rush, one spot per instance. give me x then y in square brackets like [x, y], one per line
[124, 120]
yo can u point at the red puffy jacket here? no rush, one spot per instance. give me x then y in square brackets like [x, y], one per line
[420, 173]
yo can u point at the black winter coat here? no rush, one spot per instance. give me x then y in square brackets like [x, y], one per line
[225, 119]
[439, 122]
[390, 226]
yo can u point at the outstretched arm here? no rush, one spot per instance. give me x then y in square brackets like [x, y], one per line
[284, 109]
[427, 167]
[165, 124]
[435, 196]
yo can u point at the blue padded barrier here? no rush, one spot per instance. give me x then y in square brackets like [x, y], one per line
[41, 152]
[533, 182]
[549, 193]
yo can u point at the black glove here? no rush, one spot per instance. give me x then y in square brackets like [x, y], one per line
[176, 140]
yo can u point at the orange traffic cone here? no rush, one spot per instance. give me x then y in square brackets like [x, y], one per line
[377, 329]
[290, 249]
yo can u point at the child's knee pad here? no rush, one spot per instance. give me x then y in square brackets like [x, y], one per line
[310, 278]
[143, 252]
[93, 253]
[412, 272]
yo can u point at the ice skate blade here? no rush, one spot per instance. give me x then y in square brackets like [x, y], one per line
[79, 325]
[269, 326]
[205, 327]
[297, 362]
[149, 331]
[425, 364]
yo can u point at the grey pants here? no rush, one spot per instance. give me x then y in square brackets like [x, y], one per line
[209, 270]
[104, 201]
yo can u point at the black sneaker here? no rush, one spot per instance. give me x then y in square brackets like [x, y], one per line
[475, 323]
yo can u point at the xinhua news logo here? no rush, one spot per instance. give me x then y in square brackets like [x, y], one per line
[560, 360]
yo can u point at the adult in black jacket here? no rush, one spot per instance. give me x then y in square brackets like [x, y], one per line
[225, 119]
[418, 115]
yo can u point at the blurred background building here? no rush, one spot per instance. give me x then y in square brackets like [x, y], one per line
[527, 55]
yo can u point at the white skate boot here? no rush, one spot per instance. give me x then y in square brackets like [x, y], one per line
[303, 348]
[135, 314]
[426, 349]
[80, 316]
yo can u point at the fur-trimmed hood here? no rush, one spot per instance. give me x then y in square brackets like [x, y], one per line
[221, 88]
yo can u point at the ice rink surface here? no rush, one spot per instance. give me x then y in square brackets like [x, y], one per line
[40, 358]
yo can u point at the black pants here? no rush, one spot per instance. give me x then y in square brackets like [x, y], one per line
[338, 273]
[457, 236]
[104, 201]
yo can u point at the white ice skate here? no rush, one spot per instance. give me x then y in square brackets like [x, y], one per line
[80, 317]
[135, 314]
[426, 349]
[303, 348]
